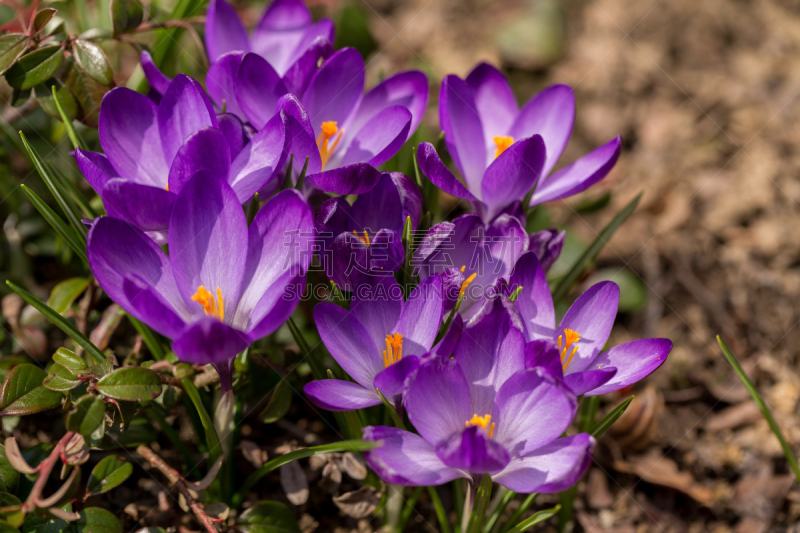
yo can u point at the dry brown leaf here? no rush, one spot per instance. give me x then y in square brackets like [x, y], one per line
[359, 503]
[294, 483]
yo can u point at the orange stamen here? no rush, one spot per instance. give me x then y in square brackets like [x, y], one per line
[502, 144]
[329, 129]
[364, 239]
[210, 306]
[571, 337]
[482, 421]
[394, 349]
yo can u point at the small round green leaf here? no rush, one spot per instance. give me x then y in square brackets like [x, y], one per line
[70, 360]
[35, 67]
[132, 384]
[97, 520]
[268, 517]
[60, 378]
[11, 47]
[42, 18]
[126, 15]
[279, 403]
[86, 416]
[22, 392]
[109, 473]
[93, 61]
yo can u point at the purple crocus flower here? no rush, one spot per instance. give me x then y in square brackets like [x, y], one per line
[365, 239]
[572, 350]
[503, 151]
[378, 342]
[151, 150]
[482, 412]
[224, 285]
[344, 133]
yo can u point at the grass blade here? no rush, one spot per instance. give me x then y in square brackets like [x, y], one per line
[77, 196]
[519, 512]
[212, 439]
[77, 244]
[409, 508]
[608, 420]
[441, 514]
[74, 138]
[149, 338]
[537, 518]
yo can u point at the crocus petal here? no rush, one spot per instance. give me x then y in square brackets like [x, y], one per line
[463, 132]
[96, 168]
[587, 381]
[550, 114]
[432, 166]
[472, 450]
[335, 90]
[391, 381]
[275, 306]
[633, 361]
[149, 306]
[285, 15]
[259, 162]
[157, 80]
[534, 302]
[580, 175]
[553, 468]
[207, 237]
[494, 101]
[406, 459]
[380, 207]
[421, 316]
[339, 395]
[129, 136]
[356, 263]
[531, 409]
[351, 179]
[184, 109]
[438, 399]
[380, 138]
[205, 150]
[547, 245]
[221, 82]
[299, 74]
[280, 32]
[348, 342]
[258, 88]
[301, 143]
[544, 354]
[512, 174]
[224, 30]
[446, 346]
[592, 317]
[377, 306]
[209, 341]
[148, 208]
[234, 131]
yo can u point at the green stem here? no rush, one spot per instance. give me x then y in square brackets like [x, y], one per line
[481, 506]
[305, 349]
[441, 514]
[409, 508]
[212, 439]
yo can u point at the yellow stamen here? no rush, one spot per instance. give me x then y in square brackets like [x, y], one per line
[394, 349]
[329, 129]
[482, 421]
[167, 187]
[502, 144]
[463, 268]
[466, 283]
[572, 337]
[210, 306]
[364, 239]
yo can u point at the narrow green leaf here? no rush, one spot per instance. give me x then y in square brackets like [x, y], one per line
[482, 498]
[126, 15]
[59, 321]
[86, 416]
[608, 420]
[591, 252]
[50, 94]
[64, 231]
[133, 383]
[279, 403]
[93, 61]
[60, 93]
[537, 518]
[64, 293]
[22, 392]
[11, 47]
[150, 339]
[77, 196]
[441, 514]
[268, 517]
[111, 472]
[212, 439]
[97, 520]
[526, 504]
[35, 67]
[398, 422]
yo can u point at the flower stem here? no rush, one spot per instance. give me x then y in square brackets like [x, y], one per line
[481, 506]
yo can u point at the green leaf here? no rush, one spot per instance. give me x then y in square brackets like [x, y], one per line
[126, 15]
[279, 403]
[88, 92]
[86, 416]
[632, 290]
[109, 473]
[11, 512]
[481, 505]
[37, 524]
[22, 392]
[9, 478]
[46, 96]
[42, 18]
[35, 67]
[132, 384]
[608, 420]
[61, 378]
[57, 223]
[69, 359]
[63, 294]
[537, 518]
[11, 47]
[97, 520]
[93, 61]
[591, 252]
[268, 517]
[59, 321]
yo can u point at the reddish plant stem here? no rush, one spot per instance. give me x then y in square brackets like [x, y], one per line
[45, 469]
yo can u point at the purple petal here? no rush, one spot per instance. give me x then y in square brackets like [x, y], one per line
[438, 400]
[381, 206]
[534, 302]
[431, 165]
[633, 360]
[205, 150]
[209, 341]
[233, 130]
[285, 15]
[553, 468]
[129, 136]
[333, 218]
[258, 88]
[224, 30]
[406, 459]
[96, 168]
[512, 174]
[184, 110]
[446, 346]
[391, 381]
[207, 240]
[335, 90]
[356, 263]
[299, 74]
[547, 245]
[463, 131]
[544, 354]
[339, 395]
[148, 208]
[473, 450]
[580, 175]
[380, 138]
[531, 409]
[259, 162]
[221, 82]
[378, 306]
[494, 101]
[550, 114]
[275, 306]
[157, 80]
[589, 380]
[592, 317]
[348, 342]
[421, 316]
[351, 179]
[301, 142]
[149, 306]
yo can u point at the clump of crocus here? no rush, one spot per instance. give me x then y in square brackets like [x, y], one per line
[224, 285]
[502, 151]
[573, 350]
[482, 412]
